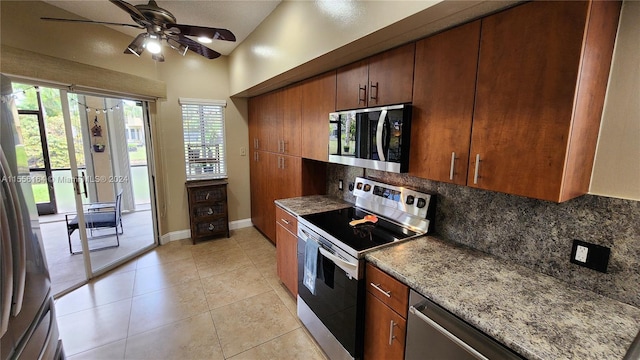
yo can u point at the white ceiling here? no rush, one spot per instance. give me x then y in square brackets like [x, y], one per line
[241, 17]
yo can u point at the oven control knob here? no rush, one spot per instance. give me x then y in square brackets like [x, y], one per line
[421, 203]
[359, 186]
[367, 187]
[410, 199]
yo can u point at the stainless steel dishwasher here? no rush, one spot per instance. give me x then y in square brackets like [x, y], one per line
[434, 333]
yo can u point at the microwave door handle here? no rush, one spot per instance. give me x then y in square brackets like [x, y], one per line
[20, 242]
[379, 137]
[7, 266]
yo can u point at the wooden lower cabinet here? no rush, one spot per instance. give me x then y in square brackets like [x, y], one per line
[384, 331]
[385, 315]
[286, 249]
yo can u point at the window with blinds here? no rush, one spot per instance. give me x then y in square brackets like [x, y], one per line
[204, 138]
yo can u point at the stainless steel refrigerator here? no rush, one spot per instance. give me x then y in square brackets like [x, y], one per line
[27, 318]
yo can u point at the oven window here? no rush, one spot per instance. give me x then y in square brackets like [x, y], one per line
[338, 302]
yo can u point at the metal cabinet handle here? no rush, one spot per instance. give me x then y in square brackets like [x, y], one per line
[371, 97]
[446, 333]
[284, 147]
[362, 90]
[377, 287]
[453, 163]
[285, 221]
[475, 175]
[391, 336]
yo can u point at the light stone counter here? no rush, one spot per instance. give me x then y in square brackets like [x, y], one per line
[312, 204]
[538, 316]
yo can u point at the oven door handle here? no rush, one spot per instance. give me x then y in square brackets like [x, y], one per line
[344, 265]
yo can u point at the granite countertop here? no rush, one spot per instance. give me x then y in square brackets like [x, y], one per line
[312, 204]
[538, 316]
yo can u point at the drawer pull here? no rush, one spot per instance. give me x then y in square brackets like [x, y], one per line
[377, 287]
[210, 211]
[285, 221]
[211, 227]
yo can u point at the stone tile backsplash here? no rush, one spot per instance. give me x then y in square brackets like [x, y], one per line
[534, 233]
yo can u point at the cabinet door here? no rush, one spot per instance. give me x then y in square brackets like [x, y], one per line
[291, 121]
[289, 182]
[391, 76]
[259, 169]
[271, 120]
[287, 261]
[351, 86]
[384, 331]
[258, 126]
[527, 73]
[443, 95]
[318, 100]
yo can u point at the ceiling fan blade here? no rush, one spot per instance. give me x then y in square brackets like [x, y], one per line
[91, 22]
[196, 47]
[212, 33]
[132, 10]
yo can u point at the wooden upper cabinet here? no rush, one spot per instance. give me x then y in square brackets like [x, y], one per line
[391, 76]
[443, 94]
[542, 76]
[318, 100]
[352, 86]
[383, 79]
[290, 131]
[273, 113]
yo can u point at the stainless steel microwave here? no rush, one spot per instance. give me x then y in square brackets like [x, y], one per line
[374, 138]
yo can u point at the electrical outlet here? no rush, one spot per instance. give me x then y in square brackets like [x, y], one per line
[589, 255]
[581, 253]
[243, 151]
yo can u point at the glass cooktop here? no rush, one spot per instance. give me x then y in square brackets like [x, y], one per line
[359, 237]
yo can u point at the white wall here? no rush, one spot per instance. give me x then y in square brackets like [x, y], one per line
[616, 171]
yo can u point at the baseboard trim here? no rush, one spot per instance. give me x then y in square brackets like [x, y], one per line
[239, 224]
[174, 236]
[186, 234]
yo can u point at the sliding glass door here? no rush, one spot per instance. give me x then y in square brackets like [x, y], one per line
[97, 178]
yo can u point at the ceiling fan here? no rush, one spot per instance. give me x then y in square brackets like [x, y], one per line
[160, 25]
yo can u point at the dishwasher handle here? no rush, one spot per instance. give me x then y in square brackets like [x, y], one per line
[413, 310]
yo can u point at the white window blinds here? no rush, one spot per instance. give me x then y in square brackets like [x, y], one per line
[204, 138]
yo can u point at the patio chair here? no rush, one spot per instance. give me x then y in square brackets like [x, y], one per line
[98, 220]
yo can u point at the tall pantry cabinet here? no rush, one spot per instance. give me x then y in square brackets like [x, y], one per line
[276, 137]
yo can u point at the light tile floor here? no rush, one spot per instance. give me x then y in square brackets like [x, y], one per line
[218, 299]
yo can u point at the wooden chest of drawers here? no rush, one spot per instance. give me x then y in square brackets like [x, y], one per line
[208, 209]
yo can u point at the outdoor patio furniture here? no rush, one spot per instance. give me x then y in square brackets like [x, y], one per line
[98, 217]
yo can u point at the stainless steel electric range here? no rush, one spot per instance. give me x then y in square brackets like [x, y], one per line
[331, 278]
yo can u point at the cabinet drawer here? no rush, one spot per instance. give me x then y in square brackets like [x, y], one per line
[206, 210]
[389, 290]
[209, 194]
[287, 220]
[213, 226]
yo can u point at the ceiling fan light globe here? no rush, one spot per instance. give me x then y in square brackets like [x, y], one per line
[153, 46]
[205, 40]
